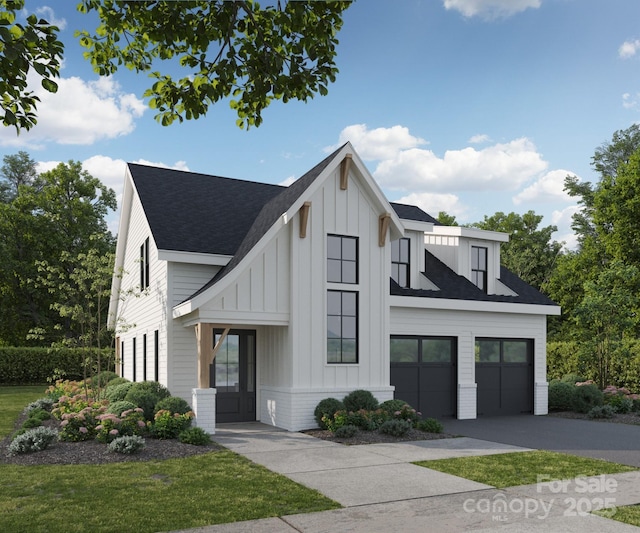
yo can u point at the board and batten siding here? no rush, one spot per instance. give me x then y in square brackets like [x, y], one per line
[148, 312]
[466, 326]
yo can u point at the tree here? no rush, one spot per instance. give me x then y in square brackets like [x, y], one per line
[23, 47]
[530, 253]
[239, 49]
[446, 219]
[17, 170]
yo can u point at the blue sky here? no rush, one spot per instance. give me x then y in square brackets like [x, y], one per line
[465, 106]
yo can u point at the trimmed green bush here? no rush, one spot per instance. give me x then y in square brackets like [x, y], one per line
[346, 432]
[601, 411]
[585, 398]
[560, 395]
[22, 366]
[33, 440]
[195, 436]
[366, 420]
[39, 414]
[117, 393]
[396, 427]
[430, 425]
[572, 379]
[360, 399]
[118, 407]
[117, 381]
[104, 377]
[327, 407]
[45, 404]
[174, 404]
[391, 406]
[144, 399]
[128, 444]
[168, 425]
[30, 423]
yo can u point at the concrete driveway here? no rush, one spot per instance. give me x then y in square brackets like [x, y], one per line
[619, 443]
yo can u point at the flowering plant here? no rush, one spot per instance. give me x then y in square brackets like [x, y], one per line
[168, 425]
[110, 426]
[76, 427]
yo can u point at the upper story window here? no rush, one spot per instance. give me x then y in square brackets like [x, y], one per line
[479, 267]
[144, 264]
[400, 261]
[342, 327]
[342, 259]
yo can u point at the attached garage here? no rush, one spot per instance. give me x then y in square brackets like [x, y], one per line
[504, 376]
[423, 371]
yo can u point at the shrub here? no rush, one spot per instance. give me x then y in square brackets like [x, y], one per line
[396, 427]
[128, 444]
[117, 393]
[430, 425]
[360, 399]
[333, 422]
[117, 408]
[346, 432]
[196, 436]
[45, 404]
[560, 395]
[104, 377]
[601, 411]
[33, 440]
[327, 408]
[585, 398]
[117, 381]
[110, 426]
[572, 379]
[169, 425]
[620, 399]
[366, 420]
[146, 394]
[174, 404]
[31, 423]
[76, 427]
[408, 413]
[39, 414]
[391, 406]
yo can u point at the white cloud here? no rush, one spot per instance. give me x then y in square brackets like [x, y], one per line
[631, 101]
[288, 181]
[377, 144]
[629, 49]
[79, 113]
[549, 188]
[490, 9]
[434, 203]
[479, 139]
[47, 13]
[503, 166]
[563, 219]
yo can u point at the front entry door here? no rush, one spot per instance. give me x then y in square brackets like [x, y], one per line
[233, 374]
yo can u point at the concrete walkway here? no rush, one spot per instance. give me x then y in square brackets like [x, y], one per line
[381, 491]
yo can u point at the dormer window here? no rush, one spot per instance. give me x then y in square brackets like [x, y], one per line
[479, 267]
[342, 259]
[400, 262]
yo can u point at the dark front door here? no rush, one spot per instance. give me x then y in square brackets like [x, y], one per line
[233, 374]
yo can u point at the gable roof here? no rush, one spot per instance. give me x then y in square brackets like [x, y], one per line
[192, 212]
[412, 212]
[455, 287]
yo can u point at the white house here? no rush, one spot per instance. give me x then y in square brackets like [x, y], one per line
[260, 300]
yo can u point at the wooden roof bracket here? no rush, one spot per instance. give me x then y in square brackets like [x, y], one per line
[304, 219]
[383, 228]
[344, 171]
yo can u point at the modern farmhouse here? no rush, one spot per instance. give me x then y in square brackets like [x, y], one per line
[256, 301]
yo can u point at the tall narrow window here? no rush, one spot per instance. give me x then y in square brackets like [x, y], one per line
[122, 359]
[144, 357]
[400, 261]
[342, 259]
[144, 264]
[156, 354]
[133, 358]
[342, 327]
[479, 267]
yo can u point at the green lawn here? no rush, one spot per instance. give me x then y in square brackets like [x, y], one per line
[213, 488]
[629, 514]
[523, 468]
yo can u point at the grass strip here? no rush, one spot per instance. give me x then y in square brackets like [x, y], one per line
[629, 514]
[523, 468]
[13, 400]
[213, 488]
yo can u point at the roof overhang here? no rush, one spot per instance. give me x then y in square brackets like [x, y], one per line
[471, 233]
[193, 257]
[414, 302]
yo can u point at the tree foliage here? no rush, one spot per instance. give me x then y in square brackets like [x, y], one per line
[32, 46]
[241, 50]
[530, 253]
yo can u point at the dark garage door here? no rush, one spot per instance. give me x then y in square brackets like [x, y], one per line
[423, 371]
[504, 376]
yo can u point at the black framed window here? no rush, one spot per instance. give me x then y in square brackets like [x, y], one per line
[342, 259]
[122, 358]
[400, 261]
[133, 358]
[479, 267]
[156, 354]
[415, 349]
[516, 351]
[144, 264]
[144, 357]
[342, 327]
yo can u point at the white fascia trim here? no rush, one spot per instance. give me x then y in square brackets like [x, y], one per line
[416, 302]
[196, 258]
[472, 233]
[417, 225]
[238, 318]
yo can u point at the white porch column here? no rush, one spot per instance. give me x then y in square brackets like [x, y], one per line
[467, 394]
[541, 398]
[204, 406]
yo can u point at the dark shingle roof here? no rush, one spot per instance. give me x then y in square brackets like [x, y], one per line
[455, 287]
[412, 212]
[192, 212]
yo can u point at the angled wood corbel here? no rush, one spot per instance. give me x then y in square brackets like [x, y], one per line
[304, 219]
[383, 227]
[344, 171]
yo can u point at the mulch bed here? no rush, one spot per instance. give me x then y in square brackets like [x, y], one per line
[628, 418]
